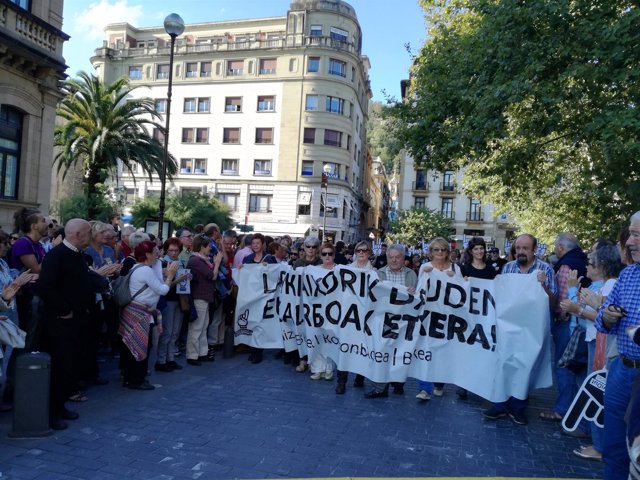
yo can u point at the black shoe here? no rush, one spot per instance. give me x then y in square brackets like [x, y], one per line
[206, 358]
[377, 394]
[56, 423]
[462, 393]
[359, 381]
[399, 390]
[195, 363]
[141, 386]
[66, 414]
[174, 365]
[256, 359]
[494, 414]
[341, 387]
[519, 417]
[163, 367]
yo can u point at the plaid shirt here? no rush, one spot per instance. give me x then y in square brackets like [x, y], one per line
[625, 293]
[562, 278]
[552, 286]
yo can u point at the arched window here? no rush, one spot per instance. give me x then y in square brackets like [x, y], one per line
[11, 120]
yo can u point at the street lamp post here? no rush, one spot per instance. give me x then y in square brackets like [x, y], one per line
[326, 169]
[174, 26]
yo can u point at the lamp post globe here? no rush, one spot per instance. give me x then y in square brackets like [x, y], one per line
[174, 26]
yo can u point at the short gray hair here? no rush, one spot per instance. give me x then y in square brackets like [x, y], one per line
[312, 241]
[397, 248]
[635, 217]
[567, 240]
[137, 237]
[607, 259]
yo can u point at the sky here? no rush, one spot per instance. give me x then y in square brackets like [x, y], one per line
[387, 26]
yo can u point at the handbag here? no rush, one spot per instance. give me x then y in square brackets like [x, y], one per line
[576, 353]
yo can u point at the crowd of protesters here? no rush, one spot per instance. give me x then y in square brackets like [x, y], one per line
[57, 285]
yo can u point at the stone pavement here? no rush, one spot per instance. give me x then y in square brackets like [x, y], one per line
[231, 419]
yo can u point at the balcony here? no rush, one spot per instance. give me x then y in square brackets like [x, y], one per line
[475, 217]
[448, 214]
[448, 188]
[420, 186]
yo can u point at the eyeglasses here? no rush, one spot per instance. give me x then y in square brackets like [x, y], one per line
[439, 250]
[12, 237]
[312, 246]
[327, 254]
[362, 250]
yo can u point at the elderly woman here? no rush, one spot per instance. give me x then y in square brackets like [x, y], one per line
[137, 318]
[203, 290]
[362, 252]
[603, 269]
[134, 239]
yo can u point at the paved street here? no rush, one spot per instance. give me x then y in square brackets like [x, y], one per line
[231, 419]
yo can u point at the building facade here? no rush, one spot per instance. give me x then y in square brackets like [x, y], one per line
[31, 68]
[259, 107]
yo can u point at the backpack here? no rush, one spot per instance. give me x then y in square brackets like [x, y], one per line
[121, 292]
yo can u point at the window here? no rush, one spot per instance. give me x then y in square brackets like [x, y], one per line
[266, 103]
[162, 71]
[189, 191]
[309, 135]
[202, 135]
[132, 194]
[448, 184]
[421, 180]
[334, 170]
[231, 135]
[26, 4]
[187, 135]
[135, 72]
[262, 167]
[230, 199]
[233, 104]
[447, 208]
[332, 138]
[193, 165]
[189, 105]
[335, 105]
[315, 31]
[11, 120]
[475, 212]
[204, 105]
[331, 207]
[158, 136]
[267, 66]
[235, 67]
[419, 202]
[311, 103]
[313, 65]
[304, 209]
[186, 165]
[229, 166]
[337, 67]
[338, 34]
[161, 105]
[307, 168]
[264, 135]
[191, 70]
[259, 203]
[304, 203]
[205, 69]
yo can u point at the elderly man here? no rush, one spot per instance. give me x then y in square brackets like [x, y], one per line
[395, 272]
[65, 287]
[125, 249]
[570, 257]
[525, 263]
[186, 240]
[621, 312]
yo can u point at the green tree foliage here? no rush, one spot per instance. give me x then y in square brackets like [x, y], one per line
[77, 206]
[103, 124]
[188, 211]
[538, 102]
[418, 224]
[382, 143]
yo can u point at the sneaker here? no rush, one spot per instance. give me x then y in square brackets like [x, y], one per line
[493, 413]
[423, 395]
[588, 452]
[438, 391]
[328, 375]
[317, 376]
[519, 417]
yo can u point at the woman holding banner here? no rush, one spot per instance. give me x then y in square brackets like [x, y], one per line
[439, 252]
[322, 366]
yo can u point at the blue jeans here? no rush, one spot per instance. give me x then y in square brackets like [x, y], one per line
[616, 400]
[565, 378]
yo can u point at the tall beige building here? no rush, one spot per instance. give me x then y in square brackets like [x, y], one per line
[31, 68]
[259, 107]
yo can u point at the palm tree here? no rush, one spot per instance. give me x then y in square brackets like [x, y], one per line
[104, 125]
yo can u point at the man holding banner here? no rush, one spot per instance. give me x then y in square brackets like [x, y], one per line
[525, 263]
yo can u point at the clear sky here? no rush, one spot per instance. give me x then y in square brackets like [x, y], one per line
[387, 25]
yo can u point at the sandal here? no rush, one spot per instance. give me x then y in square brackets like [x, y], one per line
[302, 367]
[588, 453]
[78, 397]
[550, 416]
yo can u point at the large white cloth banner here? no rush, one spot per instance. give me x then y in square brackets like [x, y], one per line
[490, 337]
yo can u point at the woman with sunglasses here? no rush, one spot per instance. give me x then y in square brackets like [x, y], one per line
[322, 366]
[439, 252]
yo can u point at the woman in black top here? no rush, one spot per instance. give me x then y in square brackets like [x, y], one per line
[475, 263]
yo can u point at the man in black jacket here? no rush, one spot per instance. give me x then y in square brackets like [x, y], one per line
[68, 296]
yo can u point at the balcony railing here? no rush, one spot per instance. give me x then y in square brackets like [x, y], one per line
[420, 186]
[447, 187]
[475, 217]
[448, 214]
[31, 29]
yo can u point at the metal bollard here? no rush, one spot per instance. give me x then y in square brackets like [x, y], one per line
[229, 342]
[31, 396]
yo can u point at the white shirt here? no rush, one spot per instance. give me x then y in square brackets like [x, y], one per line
[144, 275]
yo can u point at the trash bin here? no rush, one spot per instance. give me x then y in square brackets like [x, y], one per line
[31, 395]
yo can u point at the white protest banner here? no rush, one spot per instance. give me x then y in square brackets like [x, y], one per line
[486, 336]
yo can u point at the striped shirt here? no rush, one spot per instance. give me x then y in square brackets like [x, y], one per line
[626, 294]
[550, 283]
